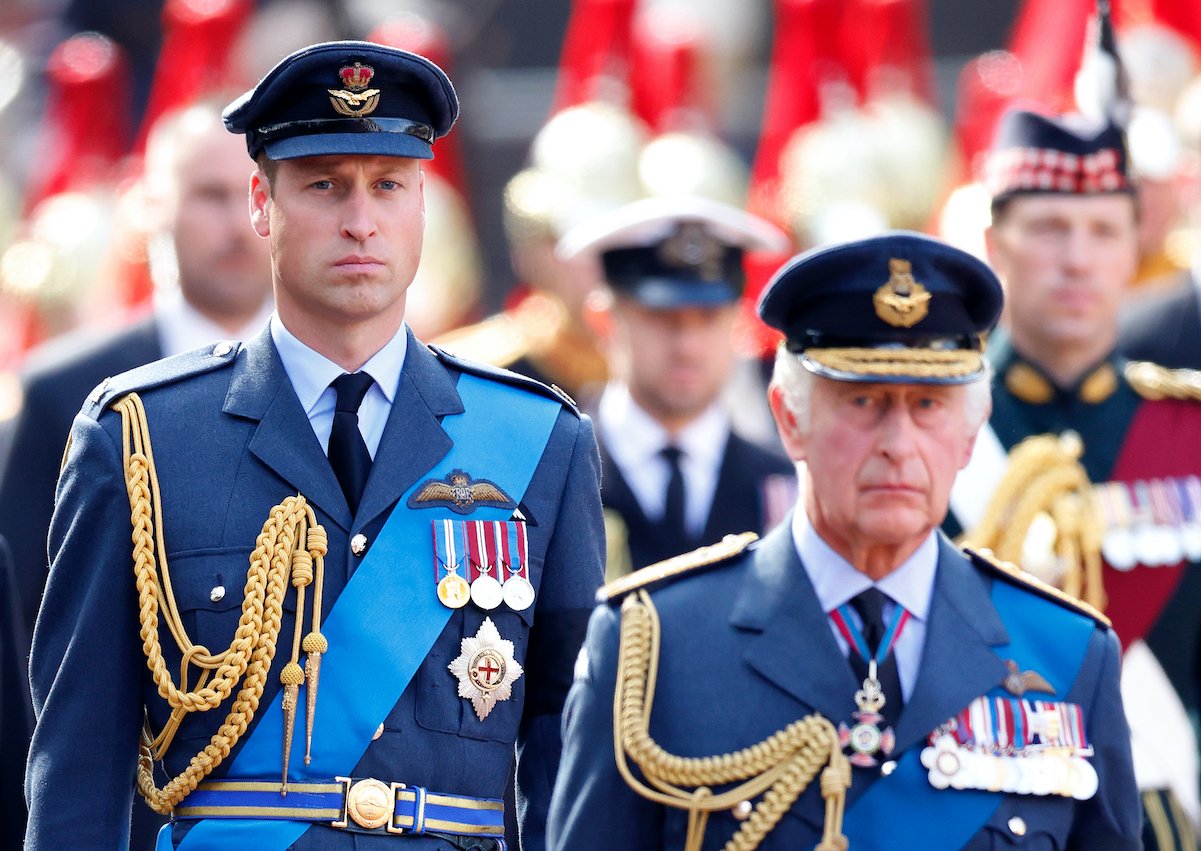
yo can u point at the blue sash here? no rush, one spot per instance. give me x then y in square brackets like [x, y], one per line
[904, 807]
[356, 697]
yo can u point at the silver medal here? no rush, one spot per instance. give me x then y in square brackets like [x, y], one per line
[518, 593]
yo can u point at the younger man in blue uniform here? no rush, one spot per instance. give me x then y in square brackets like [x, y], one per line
[423, 533]
[965, 705]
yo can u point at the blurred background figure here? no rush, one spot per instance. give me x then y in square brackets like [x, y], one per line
[1162, 322]
[1064, 241]
[212, 277]
[213, 281]
[675, 476]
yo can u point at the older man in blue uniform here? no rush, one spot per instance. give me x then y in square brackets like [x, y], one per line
[368, 561]
[853, 676]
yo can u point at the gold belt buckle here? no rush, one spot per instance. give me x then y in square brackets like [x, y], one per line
[369, 803]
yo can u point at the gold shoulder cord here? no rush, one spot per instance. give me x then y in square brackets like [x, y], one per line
[1045, 476]
[291, 547]
[782, 765]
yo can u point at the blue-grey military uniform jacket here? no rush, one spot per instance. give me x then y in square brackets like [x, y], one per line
[746, 649]
[231, 441]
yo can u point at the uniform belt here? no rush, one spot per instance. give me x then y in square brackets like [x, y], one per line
[349, 803]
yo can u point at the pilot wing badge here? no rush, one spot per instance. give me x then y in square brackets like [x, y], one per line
[460, 493]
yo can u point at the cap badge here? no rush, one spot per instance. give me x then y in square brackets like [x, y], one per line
[356, 99]
[486, 669]
[901, 301]
[693, 247]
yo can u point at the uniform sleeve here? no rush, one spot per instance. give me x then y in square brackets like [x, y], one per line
[1111, 819]
[573, 570]
[85, 670]
[593, 807]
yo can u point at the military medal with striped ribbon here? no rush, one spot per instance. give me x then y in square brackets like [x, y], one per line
[868, 737]
[483, 561]
[518, 590]
[1002, 744]
[453, 590]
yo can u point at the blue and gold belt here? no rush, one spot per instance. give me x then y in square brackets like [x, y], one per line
[349, 803]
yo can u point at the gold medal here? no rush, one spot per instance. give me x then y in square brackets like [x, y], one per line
[453, 591]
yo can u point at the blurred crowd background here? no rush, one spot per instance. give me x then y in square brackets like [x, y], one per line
[832, 118]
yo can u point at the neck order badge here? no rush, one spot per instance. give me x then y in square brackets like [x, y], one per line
[354, 701]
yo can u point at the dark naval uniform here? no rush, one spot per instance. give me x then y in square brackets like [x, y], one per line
[745, 649]
[747, 480]
[333, 652]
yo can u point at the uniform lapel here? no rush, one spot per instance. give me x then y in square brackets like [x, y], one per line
[795, 649]
[413, 439]
[958, 662]
[284, 440]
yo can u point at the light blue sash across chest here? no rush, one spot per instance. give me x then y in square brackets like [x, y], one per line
[388, 616]
[904, 807]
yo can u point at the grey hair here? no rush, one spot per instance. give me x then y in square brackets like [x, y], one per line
[796, 386]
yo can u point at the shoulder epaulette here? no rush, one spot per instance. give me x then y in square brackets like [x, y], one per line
[726, 549]
[161, 373]
[487, 370]
[1010, 572]
[1152, 381]
[498, 340]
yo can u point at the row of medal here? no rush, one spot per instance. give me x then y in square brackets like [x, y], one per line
[485, 562]
[1026, 747]
[1152, 522]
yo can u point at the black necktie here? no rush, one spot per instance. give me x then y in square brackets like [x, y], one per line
[673, 505]
[348, 453]
[870, 606]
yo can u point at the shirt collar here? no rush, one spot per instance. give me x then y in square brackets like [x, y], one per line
[311, 372]
[182, 328]
[836, 581]
[642, 436]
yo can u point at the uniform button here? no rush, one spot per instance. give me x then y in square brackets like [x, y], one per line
[1017, 826]
[888, 767]
[217, 594]
[358, 544]
[379, 731]
[222, 349]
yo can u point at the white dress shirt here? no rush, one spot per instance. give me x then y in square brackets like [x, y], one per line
[182, 327]
[634, 440]
[836, 582]
[311, 374]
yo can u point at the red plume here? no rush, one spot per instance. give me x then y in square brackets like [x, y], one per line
[885, 48]
[198, 40]
[420, 35]
[596, 47]
[86, 129]
[668, 71]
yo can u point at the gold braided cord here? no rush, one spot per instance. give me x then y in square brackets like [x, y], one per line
[780, 767]
[912, 363]
[291, 538]
[1045, 477]
[1152, 381]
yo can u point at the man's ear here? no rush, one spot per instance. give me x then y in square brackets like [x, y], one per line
[260, 202]
[791, 435]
